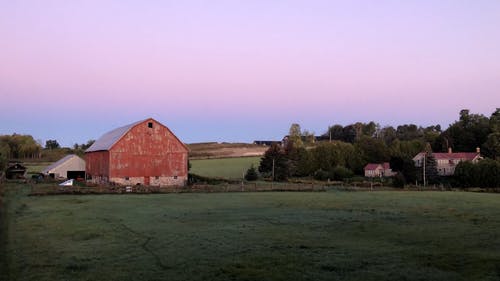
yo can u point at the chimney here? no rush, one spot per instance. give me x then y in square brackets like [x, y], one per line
[449, 150]
[478, 150]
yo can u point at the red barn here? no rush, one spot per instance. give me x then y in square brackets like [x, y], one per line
[145, 152]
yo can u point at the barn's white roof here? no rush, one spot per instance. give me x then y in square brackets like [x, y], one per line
[106, 141]
[58, 163]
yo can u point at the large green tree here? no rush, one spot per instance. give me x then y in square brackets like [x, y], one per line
[485, 173]
[405, 166]
[373, 150]
[52, 144]
[275, 161]
[469, 132]
[295, 135]
[20, 146]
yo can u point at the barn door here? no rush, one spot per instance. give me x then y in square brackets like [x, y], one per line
[146, 180]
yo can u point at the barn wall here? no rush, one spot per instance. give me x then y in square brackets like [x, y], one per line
[149, 152]
[153, 181]
[97, 166]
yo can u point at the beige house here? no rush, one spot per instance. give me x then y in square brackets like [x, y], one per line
[373, 170]
[446, 162]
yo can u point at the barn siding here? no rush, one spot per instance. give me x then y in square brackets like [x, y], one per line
[148, 152]
[97, 166]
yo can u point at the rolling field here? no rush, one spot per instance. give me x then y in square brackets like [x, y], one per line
[230, 168]
[253, 236]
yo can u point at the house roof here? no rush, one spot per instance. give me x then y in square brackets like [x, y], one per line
[372, 166]
[456, 155]
[453, 156]
[58, 163]
[106, 141]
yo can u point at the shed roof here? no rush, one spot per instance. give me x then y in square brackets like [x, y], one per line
[59, 162]
[106, 141]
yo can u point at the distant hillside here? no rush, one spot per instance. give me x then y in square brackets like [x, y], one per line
[224, 150]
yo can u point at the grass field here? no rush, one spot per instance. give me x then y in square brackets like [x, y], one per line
[254, 236]
[230, 168]
[36, 167]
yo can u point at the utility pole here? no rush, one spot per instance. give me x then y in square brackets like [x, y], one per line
[425, 156]
[273, 169]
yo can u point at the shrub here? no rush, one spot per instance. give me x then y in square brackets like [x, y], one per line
[197, 179]
[399, 180]
[321, 175]
[340, 173]
[251, 174]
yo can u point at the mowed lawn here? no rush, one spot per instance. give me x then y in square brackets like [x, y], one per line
[254, 236]
[230, 168]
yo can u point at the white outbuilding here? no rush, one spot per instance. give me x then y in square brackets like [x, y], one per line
[69, 167]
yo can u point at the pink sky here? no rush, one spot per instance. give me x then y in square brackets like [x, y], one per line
[243, 70]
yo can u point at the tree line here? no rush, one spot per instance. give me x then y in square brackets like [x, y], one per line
[343, 151]
[25, 147]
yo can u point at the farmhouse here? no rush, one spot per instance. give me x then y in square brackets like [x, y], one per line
[142, 153]
[70, 167]
[446, 162]
[378, 170]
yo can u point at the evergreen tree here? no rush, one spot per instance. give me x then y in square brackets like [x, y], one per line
[431, 173]
[251, 174]
[275, 156]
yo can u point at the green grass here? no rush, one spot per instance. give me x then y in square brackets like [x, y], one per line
[254, 236]
[230, 168]
[36, 167]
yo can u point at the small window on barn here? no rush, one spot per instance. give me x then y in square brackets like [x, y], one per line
[150, 124]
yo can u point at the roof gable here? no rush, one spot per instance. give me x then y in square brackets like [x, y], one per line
[106, 141]
[59, 162]
[109, 139]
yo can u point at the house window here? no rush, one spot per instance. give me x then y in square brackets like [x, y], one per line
[126, 178]
[175, 177]
[150, 124]
[157, 177]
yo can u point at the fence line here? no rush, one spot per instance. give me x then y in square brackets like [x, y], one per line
[200, 188]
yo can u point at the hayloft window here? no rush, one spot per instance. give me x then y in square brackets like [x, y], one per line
[150, 124]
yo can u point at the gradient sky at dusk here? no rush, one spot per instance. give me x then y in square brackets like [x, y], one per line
[243, 70]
